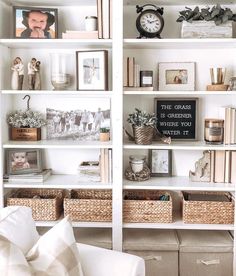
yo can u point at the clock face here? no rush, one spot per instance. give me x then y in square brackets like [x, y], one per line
[150, 22]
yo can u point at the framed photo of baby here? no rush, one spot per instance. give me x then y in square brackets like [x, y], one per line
[176, 76]
[32, 22]
[23, 161]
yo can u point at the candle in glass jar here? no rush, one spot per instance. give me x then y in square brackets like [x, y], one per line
[214, 131]
[137, 162]
[90, 23]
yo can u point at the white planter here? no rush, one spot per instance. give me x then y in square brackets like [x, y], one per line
[206, 29]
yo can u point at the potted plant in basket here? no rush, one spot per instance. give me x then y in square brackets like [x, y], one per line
[25, 125]
[143, 125]
[104, 134]
[215, 22]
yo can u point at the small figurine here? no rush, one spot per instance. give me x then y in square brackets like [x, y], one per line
[202, 169]
[31, 73]
[37, 85]
[18, 74]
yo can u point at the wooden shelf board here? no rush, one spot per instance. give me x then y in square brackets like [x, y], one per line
[179, 43]
[56, 43]
[60, 181]
[178, 224]
[44, 144]
[179, 145]
[177, 183]
[182, 93]
[62, 92]
[178, 2]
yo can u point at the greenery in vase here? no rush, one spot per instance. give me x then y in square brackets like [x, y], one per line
[28, 119]
[217, 14]
[142, 118]
[104, 130]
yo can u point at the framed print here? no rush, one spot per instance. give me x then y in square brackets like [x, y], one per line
[32, 22]
[160, 162]
[80, 120]
[176, 76]
[177, 117]
[23, 161]
[92, 70]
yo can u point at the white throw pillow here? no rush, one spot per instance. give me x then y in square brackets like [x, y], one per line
[18, 226]
[56, 252]
[12, 259]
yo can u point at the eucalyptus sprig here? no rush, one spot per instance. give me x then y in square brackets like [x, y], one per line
[217, 14]
[142, 118]
[28, 118]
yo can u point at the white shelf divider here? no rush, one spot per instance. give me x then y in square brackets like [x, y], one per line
[60, 181]
[179, 183]
[52, 144]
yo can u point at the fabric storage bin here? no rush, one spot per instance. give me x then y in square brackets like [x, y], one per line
[89, 205]
[208, 208]
[46, 204]
[159, 249]
[100, 237]
[205, 253]
[146, 206]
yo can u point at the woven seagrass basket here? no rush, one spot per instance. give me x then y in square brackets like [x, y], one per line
[46, 204]
[89, 205]
[143, 135]
[146, 206]
[208, 208]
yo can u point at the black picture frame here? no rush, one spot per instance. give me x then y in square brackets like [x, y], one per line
[177, 117]
[31, 164]
[160, 162]
[20, 22]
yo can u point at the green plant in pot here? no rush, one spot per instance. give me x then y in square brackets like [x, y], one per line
[217, 14]
[25, 125]
[104, 135]
[143, 125]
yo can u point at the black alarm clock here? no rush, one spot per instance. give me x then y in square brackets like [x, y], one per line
[150, 22]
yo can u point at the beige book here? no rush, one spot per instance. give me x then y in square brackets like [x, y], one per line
[212, 165]
[233, 167]
[106, 166]
[232, 126]
[131, 62]
[111, 18]
[102, 165]
[227, 166]
[80, 35]
[125, 72]
[138, 88]
[99, 15]
[106, 18]
[227, 126]
[110, 165]
[219, 166]
[136, 75]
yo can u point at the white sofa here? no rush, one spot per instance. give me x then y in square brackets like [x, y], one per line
[103, 262]
[56, 249]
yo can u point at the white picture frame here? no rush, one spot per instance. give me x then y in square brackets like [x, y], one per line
[176, 76]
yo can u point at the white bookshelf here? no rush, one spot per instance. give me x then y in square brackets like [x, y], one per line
[148, 52]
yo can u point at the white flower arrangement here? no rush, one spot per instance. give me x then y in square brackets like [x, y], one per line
[27, 119]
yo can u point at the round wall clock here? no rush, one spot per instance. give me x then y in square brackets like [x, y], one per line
[150, 22]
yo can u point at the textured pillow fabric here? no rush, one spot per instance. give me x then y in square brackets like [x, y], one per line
[56, 252]
[18, 226]
[12, 259]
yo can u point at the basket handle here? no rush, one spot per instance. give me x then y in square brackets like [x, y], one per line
[210, 262]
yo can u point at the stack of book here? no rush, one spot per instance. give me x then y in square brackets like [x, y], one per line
[104, 13]
[131, 77]
[28, 178]
[105, 162]
[80, 35]
[223, 166]
[228, 114]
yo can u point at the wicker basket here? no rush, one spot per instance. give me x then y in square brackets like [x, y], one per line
[143, 135]
[197, 208]
[89, 205]
[47, 204]
[146, 206]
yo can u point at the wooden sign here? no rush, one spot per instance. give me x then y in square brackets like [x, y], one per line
[177, 117]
